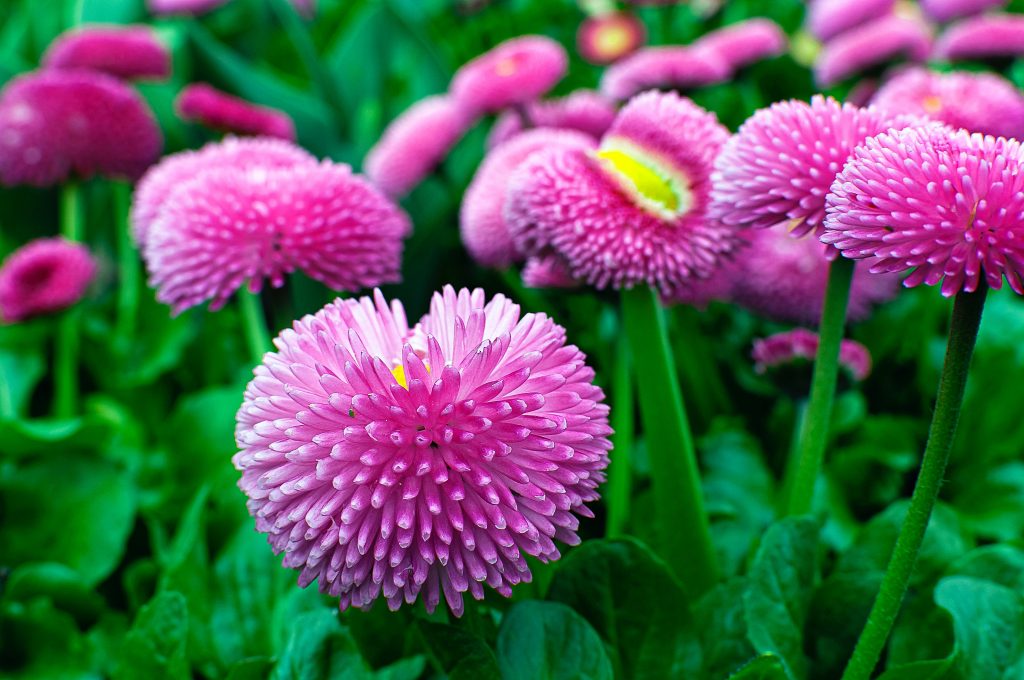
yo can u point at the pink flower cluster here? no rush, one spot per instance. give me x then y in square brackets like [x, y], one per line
[128, 52]
[219, 110]
[44, 276]
[801, 345]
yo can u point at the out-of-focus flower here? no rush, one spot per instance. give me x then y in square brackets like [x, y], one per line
[415, 143]
[515, 72]
[745, 42]
[44, 276]
[871, 45]
[663, 67]
[607, 38]
[801, 346]
[306, 8]
[397, 463]
[129, 52]
[779, 166]
[989, 36]
[828, 18]
[232, 225]
[633, 212]
[946, 10]
[55, 123]
[547, 271]
[944, 204]
[584, 110]
[977, 102]
[191, 7]
[485, 232]
[209, 106]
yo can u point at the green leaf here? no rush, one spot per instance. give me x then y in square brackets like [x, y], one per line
[919, 670]
[549, 640]
[460, 654]
[253, 668]
[988, 620]
[720, 621]
[993, 506]
[61, 584]
[155, 646]
[20, 370]
[765, 667]
[319, 647]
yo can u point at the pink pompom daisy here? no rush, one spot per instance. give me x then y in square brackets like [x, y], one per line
[663, 67]
[234, 224]
[801, 346]
[989, 36]
[128, 52]
[946, 10]
[871, 45]
[218, 110]
[391, 462]
[828, 18]
[606, 38]
[415, 143]
[632, 212]
[978, 102]
[190, 7]
[485, 232]
[779, 166]
[44, 276]
[584, 110]
[745, 42]
[945, 204]
[249, 153]
[515, 72]
[55, 123]
[547, 271]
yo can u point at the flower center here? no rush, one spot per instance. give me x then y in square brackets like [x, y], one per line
[399, 373]
[932, 104]
[612, 39]
[506, 67]
[653, 186]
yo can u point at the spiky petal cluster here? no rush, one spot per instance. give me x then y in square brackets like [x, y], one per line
[946, 10]
[744, 42]
[584, 110]
[978, 102]
[828, 18]
[128, 52]
[192, 7]
[606, 38]
[779, 166]
[219, 110]
[801, 345]
[55, 123]
[397, 463]
[415, 143]
[516, 71]
[945, 204]
[871, 45]
[44, 276]
[989, 36]
[663, 67]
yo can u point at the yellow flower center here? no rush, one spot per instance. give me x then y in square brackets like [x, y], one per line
[399, 373]
[932, 104]
[612, 39]
[653, 186]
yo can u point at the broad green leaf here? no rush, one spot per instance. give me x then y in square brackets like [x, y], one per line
[839, 608]
[938, 669]
[721, 623]
[61, 584]
[549, 640]
[20, 370]
[993, 506]
[988, 620]
[765, 667]
[461, 654]
[155, 646]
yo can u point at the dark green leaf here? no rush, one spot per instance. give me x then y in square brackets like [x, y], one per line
[989, 623]
[549, 640]
[61, 584]
[155, 646]
[459, 653]
[764, 667]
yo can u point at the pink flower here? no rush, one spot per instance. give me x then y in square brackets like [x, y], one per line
[944, 204]
[193, 7]
[606, 38]
[827, 19]
[415, 143]
[745, 42]
[945, 10]
[485, 232]
[871, 45]
[801, 345]
[209, 106]
[44, 276]
[128, 52]
[584, 110]
[663, 67]
[55, 123]
[250, 153]
[547, 271]
[631, 212]
[515, 72]
[989, 36]
[777, 169]
[392, 462]
[234, 224]
[977, 102]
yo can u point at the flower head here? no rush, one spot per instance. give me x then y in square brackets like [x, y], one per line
[606, 38]
[745, 42]
[945, 10]
[547, 271]
[415, 143]
[128, 52]
[192, 7]
[944, 204]
[44, 276]
[871, 45]
[801, 346]
[989, 36]
[583, 110]
[827, 19]
[779, 166]
[391, 462]
[55, 123]
[516, 71]
[221, 111]
[658, 67]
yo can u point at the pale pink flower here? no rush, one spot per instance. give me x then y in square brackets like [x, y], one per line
[515, 72]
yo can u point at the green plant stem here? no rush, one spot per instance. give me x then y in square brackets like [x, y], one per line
[963, 332]
[814, 435]
[789, 466]
[620, 471]
[298, 33]
[129, 270]
[681, 519]
[255, 323]
[65, 359]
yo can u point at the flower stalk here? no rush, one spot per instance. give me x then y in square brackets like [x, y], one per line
[65, 360]
[620, 477]
[128, 266]
[254, 321]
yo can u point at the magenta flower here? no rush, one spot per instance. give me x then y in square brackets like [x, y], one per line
[392, 462]
[663, 67]
[827, 19]
[632, 212]
[946, 10]
[801, 346]
[485, 233]
[231, 225]
[978, 102]
[547, 271]
[606, 38]
[218, 110]
[44, 276]
[584, 110]
[944, 204]
[191, 7]
[777, 169]
[128, 52]
[515, 72]
[873, 44]
[745, 42]
[415, 143]
[55, 123]
[989, 36]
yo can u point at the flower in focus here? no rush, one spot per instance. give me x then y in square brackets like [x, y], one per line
[55, 123]
[663, 67]
[547, 271]
[945, 204]
[871, 45]
[801, 346]
[989, 36]
[606, 38]
[44, 276]
[633, 211]
[218, 110]
[978, 102]
[391, 462]
[515, 72]
[779, 166]
[128, 52]
[827, 19]
[415, 143]
[584, 110]
[745, 42]
[191, 7]
[945, 10]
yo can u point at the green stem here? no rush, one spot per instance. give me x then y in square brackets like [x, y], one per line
[789, 469]
[814, 435]
[620, 482]
[963, 332]
[65, 359]
[682, 521]
[129, 271]
[255, 323]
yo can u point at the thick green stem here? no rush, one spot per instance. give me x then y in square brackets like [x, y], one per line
[255, 323]
[789, 469]
[963, 332]
[128, 266]
[620, 472]
[814, 435]
[65, 359]
[681, 519]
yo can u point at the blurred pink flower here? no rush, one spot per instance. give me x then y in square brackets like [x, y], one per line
[827, 19]
[945, 10]
[745, 42]
[584, 110]
[663, 67]
[218, 110]
[871, 45]
[801, 345]
[607, 38]
[128, 52]
[193, 7]
[547, 271]
[515, 72]
[44, 276]
[989, 36]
